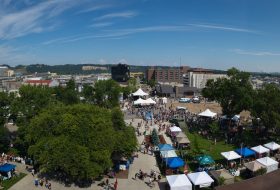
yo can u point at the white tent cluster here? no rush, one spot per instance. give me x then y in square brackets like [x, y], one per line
[143, 102]
[230, 155]
[179, 182]
[207, 113]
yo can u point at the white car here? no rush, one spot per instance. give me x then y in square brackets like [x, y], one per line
[184, 100]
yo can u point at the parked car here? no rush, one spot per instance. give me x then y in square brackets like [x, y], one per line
[196, 100]
[184, 100]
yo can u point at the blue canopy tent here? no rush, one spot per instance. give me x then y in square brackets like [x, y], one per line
[7, 168]
[175, 162]
[245, 152]
[165, 147]
[205, 160]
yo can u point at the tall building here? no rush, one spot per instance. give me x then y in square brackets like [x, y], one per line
[120, 72]
[199, 78]
[167, 74]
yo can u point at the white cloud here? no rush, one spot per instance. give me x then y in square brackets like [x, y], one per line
[254, 53]
[101, 24]
[225, 28]
[95, 8]
[12, 56]
[125, 14]
[34, 19]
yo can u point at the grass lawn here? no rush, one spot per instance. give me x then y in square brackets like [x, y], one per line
[9, 183]
[200, 145]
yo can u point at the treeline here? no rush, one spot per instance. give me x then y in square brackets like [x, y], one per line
[236, 94]
[64, 135]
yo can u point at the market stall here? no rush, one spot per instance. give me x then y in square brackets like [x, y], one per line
[179, 182]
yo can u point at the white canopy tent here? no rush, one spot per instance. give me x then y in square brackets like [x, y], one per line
[272, 146]
[269, 163]
[230, 155]
[140, 92]
[207, 113]
[179, 182]
[260, 149]
[168, 154]
[201, 178]
[140, 101]
[150, 101]
[175, 129]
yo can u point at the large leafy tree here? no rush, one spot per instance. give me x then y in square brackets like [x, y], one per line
[78, 141]
[106, 93]
[267, 106]
[234, 93]
[67, 95]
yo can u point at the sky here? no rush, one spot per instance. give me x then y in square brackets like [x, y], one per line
[215, 34]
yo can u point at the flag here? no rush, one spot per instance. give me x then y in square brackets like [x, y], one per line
[116, 184]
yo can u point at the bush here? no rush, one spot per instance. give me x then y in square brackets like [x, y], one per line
[155, 139]
[260, 171]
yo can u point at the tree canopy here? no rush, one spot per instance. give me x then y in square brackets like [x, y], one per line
[234, 93]
[78, 140]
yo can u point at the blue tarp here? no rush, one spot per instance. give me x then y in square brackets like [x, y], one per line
[245, 152]
[175, 162]
[165, 147]
[205, 160]
[7, 167]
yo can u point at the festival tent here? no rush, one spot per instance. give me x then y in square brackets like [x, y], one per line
[140, 92]
[269, 163]
[260, 149]
[272, 146]
[179, 182]
[201, 178]
[222, 173]
[181, 135]
[230, 155]
[183, 140]
[175, 162]
[150, 101]
[205, 160]
[253, 166]
[165, 147]
[6, 170]
[140, 101]
[208, 113]
[245, 152]
[175, 129]
[168, 154]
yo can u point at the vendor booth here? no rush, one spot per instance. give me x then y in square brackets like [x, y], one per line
[179, 182]
[207, 113]
[7, 170]
[175, 163]
[245, 152]
[201, 179]
[269, 163]
[260, 150]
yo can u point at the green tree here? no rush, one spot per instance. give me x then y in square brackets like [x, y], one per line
[67, 95]
[88, 92]
[233, 93]
[267, 106]
[152, 83]
[78, 140]
[106, 93]
[5, 102]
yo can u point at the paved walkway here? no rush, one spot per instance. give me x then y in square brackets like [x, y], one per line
[144, 161]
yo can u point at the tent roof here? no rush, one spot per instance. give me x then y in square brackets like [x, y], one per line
[183, 140]
[139, 101]
[181, 134]
[175, 162]
[150, 101]
[140, 92]
[168, 154]
[272, 146]
[175, 129]
[266, 161]
[200, 178]
[207, 113]
[245, 152]
[260, 149]
[221, 173]
[230, 155]
[178, 181]
[253, 166]
[205, 159]
[165, 147]
[7, 167]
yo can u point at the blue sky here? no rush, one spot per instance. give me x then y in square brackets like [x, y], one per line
[215, 34]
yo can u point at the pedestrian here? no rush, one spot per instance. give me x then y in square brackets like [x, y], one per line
[33, 172]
